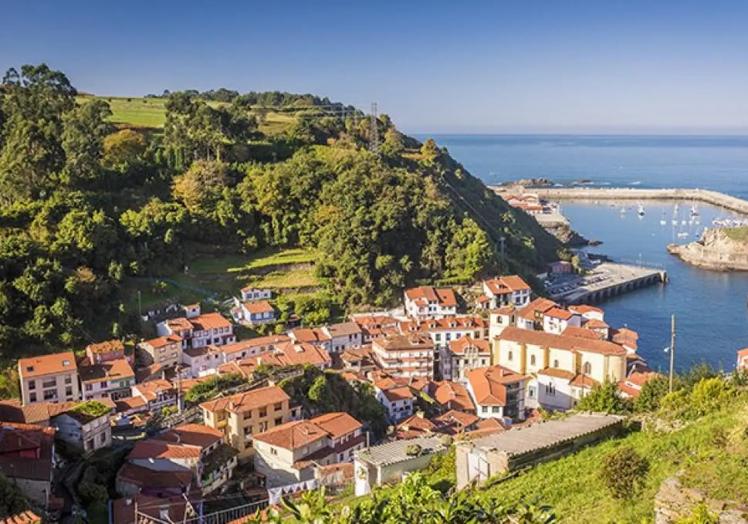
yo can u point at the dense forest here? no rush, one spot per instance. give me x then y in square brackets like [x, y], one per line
[85, 204]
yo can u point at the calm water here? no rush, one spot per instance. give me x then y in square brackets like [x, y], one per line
[710, 307]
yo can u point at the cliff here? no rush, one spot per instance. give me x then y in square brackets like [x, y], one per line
[718, 249]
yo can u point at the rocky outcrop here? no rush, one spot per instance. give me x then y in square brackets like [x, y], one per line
[717, 249]
[674, 502]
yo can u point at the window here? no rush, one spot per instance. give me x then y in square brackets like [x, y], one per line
[273, 451]
[32, 384]
[555, 364]
[278, 406]
[587, 368]
[510, 356]
[531, 392]
[49, 383]
[264, 412]
[32, 397]
[532, 360]
[278, 421]
[495, 409]
[68, 380]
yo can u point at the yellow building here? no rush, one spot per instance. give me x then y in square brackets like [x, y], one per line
[243, 415]
[564, 367]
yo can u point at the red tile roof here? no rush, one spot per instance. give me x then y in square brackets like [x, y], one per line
[506, 284]
[47, 365]
[108, 346]
[445, 297]
[461, 344]
[260, 306]
[25, 517]
[159, 449]
[112, 370]
[337, 424]
[557, 312]
[489, 384]
[192, 435]
[248, 400]
[453, 394]
[541, 338]
[208, 321]
[160, 342]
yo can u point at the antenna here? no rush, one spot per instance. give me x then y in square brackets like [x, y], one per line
[374, 132]
[672, 352]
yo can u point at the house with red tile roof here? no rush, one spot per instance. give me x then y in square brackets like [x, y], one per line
[557, 319]
[409, 355]
[375, 325]
[742, 363]
[27, 459]
[398, 400]
[83, 425]
[430, 302]
[198, 330]
[287, 454]
[111, 378]
[157, 394]
[164, 351]
[452, 396]
[497, 392]
[49, 378]
[635, 380]
[509, 290]
[255, 313]
[462, 355]
[105, 351]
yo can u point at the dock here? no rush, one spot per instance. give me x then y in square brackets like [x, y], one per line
[706, 196]
[606, 280]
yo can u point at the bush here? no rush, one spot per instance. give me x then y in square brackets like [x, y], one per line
[605, 399]
[700, 515]
[623, 472]
[651, 395]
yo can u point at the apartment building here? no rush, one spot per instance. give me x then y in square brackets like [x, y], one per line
[497, 392]
[243, 415]
[49, 378]
[510, 290]
[108, 379]
[410, 355]
[430, 302]
[462, 355]
[165, 351]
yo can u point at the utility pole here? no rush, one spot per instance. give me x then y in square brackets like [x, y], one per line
[374, 129]
[140, 307]
[672, 351]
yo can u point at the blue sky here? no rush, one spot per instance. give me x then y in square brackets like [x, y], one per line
[500, 66]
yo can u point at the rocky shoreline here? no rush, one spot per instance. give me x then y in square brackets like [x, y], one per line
[716, 250]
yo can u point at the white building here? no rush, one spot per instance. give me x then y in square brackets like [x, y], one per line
[462, 355]
[510, 290]
[84, 425]
[202, 361]
[397, 400]
[252, 293]
[497, 392]
[556, 320]
[430, 302]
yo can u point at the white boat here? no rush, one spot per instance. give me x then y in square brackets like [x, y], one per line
[682, 234]
[682, 222]
[663, 221]
[640, 210]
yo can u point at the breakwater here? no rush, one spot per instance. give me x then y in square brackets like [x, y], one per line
[706, 196]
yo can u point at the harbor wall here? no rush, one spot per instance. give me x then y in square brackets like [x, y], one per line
[706, 196]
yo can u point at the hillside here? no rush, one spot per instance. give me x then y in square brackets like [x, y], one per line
[110, 203]
[719, 249]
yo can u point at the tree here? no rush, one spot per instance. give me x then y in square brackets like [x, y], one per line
[124, 150]
[12, 501]
[651, 395]
[200, 188]
[470, 252]
[624, 471]
[604, 398]
[33, 106]
[85, 128]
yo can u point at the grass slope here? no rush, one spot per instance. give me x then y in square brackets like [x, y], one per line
[711, 453]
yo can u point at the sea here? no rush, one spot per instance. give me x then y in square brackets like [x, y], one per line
[710, 308]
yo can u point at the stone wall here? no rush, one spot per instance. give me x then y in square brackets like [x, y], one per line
[674, 502]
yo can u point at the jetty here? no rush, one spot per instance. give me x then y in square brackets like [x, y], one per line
[706, 196]
[607, 280]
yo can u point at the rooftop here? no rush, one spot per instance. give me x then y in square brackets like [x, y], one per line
[397, 451]
[541, 338]
[47, 365]
[248, 400]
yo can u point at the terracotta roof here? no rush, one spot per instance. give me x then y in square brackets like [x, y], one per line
[743, 352]
[485, 427]
[260, 306]
[404, 343]
[192, 435]
[112, 370]
[583, 309]
[11, 410]
[453, 394]
[639, 378]
[398, 393]
[47, 365]
[557, 373]
[291, 353]
[25, 517]
[489, 384]
[557, 312]
[150, 478]
[344, 329]
[248, 400]
[15, 437]
[149, 390]
[443, 296]
[448, 323]
[506, 284]
[417, 422]
[160, 342]
[580, 332]
[252, 343]
[504, 310]
[128, 403]
[292, 435]
[541, 338]
[308, 335]
[537, 306]
[179, 324]
[459, 345]
[208, 321]
[160, 449]
[108, 346]
[595, 323]
[457, 418]
[337, 424]
[203, 350]
[583, 381]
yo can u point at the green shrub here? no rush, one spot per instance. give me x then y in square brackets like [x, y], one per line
[604, 398]
[624, 471]
[700, 515]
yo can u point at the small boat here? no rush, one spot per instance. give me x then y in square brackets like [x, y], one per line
[663, 221]
[682, 234]
[682, 222]
[694, 210]
[640, 210]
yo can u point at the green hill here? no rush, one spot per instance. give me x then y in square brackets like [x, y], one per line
[109, 202]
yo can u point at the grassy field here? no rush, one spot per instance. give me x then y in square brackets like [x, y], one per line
[739, 234]
[150, 113]
[220, 277]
